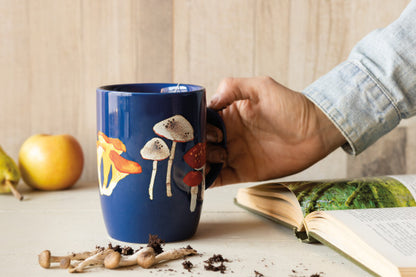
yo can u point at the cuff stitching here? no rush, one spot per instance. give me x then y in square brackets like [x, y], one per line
[349, 146]
[378, 84]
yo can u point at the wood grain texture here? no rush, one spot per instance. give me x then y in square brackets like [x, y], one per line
[293, 41]
[54, 53]
[213, 40]
[385, 157]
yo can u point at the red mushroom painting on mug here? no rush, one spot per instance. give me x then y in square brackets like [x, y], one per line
[196, 158]
[193, 179]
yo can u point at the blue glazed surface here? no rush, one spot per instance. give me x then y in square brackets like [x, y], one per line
[129, 113]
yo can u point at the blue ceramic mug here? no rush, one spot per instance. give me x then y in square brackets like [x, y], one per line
[151, 149]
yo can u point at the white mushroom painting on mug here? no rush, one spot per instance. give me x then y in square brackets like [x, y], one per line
[155, 150]
[177, 129]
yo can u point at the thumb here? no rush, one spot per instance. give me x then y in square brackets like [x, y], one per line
[231, 90]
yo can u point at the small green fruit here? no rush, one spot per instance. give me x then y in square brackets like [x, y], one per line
[9, 175]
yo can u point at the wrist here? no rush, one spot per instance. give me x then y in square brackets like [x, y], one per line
[331, 136]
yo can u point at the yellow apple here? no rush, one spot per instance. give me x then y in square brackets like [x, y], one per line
[51, 162]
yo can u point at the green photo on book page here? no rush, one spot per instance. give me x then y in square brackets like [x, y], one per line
[360, 193]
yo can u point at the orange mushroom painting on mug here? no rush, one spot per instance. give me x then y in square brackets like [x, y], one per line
[109, 153]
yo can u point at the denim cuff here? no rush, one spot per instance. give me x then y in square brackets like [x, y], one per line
[358, 105]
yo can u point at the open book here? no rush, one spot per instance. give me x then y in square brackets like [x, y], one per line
[372, 221]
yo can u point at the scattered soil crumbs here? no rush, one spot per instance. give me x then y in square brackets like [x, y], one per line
[298, 274]
[187, 265]
[301, 271]
[216, 263]
[217, 259]
[156, 243]
[257, 274]
[126, 250]
[190, 247]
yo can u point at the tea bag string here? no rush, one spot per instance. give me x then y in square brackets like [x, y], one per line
[177, 87]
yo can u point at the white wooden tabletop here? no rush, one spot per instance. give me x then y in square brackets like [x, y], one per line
[71, 220]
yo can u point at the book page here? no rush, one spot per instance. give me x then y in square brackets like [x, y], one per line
[409, 181]
[273, 202]
[390, 231]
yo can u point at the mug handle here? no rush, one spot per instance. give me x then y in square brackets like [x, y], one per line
[215, 119]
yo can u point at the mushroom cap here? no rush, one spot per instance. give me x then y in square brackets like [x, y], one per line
[113, 142]
[123, 165]
[112, 260]
[175, 128]
[44, 259]
[65, 262]
[193, 178]
[147, 257]
[155, 150]
[196, 156]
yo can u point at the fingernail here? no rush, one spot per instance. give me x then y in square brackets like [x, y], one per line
[213, 101]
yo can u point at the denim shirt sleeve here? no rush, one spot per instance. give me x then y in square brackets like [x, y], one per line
[367, 95]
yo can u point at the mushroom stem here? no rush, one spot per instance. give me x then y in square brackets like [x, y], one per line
[100, 152]
[95, 259]
[203, 183]
[115, 260]
[148, 258]
[45, 258]
[83, 255]
[194, 194]
[169, 172]
[116, 177]
[15, 192]
[66, 261]
[174, 254]
[106, 172]
[152, 180]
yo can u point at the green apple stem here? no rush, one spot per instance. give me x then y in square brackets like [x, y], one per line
[15, 192]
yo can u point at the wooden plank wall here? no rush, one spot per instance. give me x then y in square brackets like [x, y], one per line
[54, 53]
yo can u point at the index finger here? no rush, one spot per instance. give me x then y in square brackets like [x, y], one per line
[231, 90]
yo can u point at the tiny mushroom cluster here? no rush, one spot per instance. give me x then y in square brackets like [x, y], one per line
[112, 258]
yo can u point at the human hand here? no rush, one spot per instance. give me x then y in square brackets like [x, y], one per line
[272, 131]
